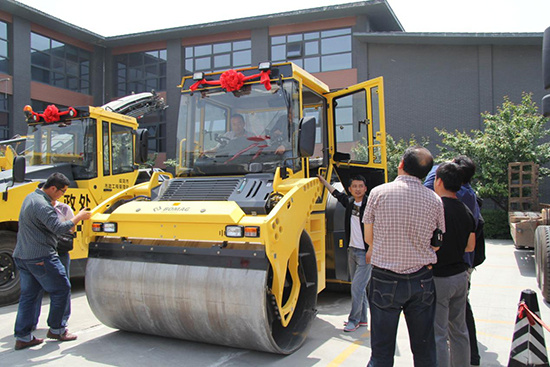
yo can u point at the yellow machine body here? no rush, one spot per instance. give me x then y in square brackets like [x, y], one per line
[236, 247]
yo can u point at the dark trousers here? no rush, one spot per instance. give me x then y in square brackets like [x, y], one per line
[413, 294]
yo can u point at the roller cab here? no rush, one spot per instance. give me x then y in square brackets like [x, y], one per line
[233, 249]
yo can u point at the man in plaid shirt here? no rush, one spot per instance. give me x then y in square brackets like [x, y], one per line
[400, 220]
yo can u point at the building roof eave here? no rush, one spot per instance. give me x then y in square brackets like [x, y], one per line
[531, 39]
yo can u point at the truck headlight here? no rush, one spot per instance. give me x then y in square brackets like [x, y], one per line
[234, 231]
[108, 227]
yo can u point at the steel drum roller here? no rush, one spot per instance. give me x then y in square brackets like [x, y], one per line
[217, 305]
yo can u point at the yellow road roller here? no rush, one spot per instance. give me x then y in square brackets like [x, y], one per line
[236, 247]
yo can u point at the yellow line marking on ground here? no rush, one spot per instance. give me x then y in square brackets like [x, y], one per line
[348, 351]
[494, 336]
[496, 321]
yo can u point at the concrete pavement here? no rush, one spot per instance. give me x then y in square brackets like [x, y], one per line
[496, 288]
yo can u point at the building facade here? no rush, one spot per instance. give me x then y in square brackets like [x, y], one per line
[431, 79]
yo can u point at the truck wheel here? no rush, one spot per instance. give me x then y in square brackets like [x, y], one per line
[542, 260]
[9, 275]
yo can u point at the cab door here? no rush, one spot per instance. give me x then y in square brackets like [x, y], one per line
[356, 146]
[357, 132]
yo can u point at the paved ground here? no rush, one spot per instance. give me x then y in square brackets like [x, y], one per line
[496, 290]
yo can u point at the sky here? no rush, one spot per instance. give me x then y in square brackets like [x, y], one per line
[118, 17]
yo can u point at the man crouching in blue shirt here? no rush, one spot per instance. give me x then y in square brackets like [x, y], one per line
[39, 266]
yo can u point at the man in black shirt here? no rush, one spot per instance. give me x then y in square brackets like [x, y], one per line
[450, 272]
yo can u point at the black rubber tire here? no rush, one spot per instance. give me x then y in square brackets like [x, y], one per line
[10, 288]
[542, 260]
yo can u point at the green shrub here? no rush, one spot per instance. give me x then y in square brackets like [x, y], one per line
[496, 224]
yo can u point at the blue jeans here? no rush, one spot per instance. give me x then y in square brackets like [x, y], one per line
[360, 273]
[36, 276]
[388, 294]
[65, 259]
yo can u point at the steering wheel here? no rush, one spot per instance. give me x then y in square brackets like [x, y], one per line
[221, 139]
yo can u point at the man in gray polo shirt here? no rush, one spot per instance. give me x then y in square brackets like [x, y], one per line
[39, 266]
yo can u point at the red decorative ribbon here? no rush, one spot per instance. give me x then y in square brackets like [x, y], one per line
[524, 311]
[52, 114]
[232, 80]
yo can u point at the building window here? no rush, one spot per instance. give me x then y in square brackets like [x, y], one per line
[155, 123]
[140, 72]
[40, 106]
[59, 64]
[218, 56]
[4, 61]
[314, 51]
[4, 117]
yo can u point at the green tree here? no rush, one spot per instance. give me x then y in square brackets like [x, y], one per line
[514, 134]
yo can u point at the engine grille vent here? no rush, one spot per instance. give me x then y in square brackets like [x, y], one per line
[200, 189]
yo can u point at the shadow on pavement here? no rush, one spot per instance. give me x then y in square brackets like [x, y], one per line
[526, 262]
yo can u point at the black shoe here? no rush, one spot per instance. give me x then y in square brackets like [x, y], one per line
[475, 362]
[22, 345]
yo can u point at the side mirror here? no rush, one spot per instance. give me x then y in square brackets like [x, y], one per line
[306, 137]
[142, 145]
[18, 169]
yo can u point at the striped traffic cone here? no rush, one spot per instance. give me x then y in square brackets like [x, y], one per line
[528, 347]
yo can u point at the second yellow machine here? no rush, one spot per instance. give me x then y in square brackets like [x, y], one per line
[236, 247]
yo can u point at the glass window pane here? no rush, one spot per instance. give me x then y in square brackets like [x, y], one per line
[294, 50]
[294, 38]
[278, 53]
[135, 73]
[189, 52]
[189, 65]
[312, 48]
[202, 63]
[57, 45]
[313, 64]
[335, 32]
[58, 80]
[336, 62]
[151, 84]
[71, 53]
[40, 59]
[72, 83]
[151, 56]
[162, 84]
[72, 67]
[242, 58]
[299, 62]
[39, 42]
[58, 65]
[277, 40]
[3, 48]
[4, 64]
[85, 87]
[221, 61]
[163, 55]
[203, 50]
[222, 47]
[151, 71]
[311, 35]
[162, 68]
[241, 45]
[336, 45]
[135, 59]
[4, 30]
[40, 75]
[84, 68]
